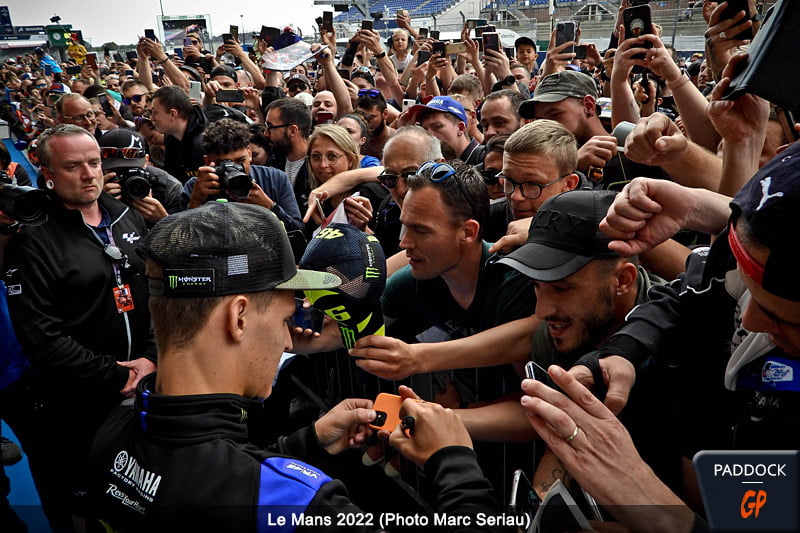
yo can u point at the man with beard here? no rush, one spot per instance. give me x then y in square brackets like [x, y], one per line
[445, 119]
[288, 128]
[135, 95]
[373, 104]
[584, 291]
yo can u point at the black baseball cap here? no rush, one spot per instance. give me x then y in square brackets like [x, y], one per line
[225, 248]
[526, 40]
[564, 236]
[127, 143]
[770, 203]
[224, 70]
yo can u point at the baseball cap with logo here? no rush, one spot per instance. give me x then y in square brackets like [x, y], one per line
[225, 248]
[564, 236]
[59, 88]
[558, 86]
[294, 79]
[444, 104]
[122, 148]
[358, 259]
[770, 203]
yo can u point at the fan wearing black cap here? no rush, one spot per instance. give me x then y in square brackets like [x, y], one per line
[728, 331]
[526, 53]
[129, 176]
[222, 282]
[78, 302]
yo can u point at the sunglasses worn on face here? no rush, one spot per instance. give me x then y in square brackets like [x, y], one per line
[374, 93]
[390, 180]
[135, 98]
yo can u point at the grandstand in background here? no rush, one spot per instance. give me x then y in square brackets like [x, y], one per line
[681, 22]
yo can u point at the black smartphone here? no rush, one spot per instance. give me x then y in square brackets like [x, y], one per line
[491, 41]
[307, 317]
[327, 20]
[423, 33]
[438, 47]
[490, 27]
[234, 32]
[106, 51]
[105, 105]
[423, 56]
[786, 118]
[118, 57]
[580, 52]
[523, 500]
[269, 34]
[734, 6]
[129, 72]
[226, 37]
[74, 70]
[479, 30]
[231, 95]
[565, 32]
[91, 59]
[637, 22]
[639, 2]
[344, 73]
[131, 54]
[150, 34]
[434, 35]
[179, 53]
[510, 51]
[366, 24]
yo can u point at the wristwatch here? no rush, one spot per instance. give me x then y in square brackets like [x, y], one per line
[381, 55]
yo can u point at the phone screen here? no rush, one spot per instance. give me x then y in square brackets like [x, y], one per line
[150, 34]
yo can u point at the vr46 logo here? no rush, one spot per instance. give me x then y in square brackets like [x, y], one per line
[329, 233]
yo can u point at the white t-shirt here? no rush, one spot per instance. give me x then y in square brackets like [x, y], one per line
[293, 167]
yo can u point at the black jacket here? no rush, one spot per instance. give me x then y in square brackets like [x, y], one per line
[188, 463]
[183, 157]
[62, 303]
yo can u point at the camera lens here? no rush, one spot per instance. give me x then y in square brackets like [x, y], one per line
[380, 418]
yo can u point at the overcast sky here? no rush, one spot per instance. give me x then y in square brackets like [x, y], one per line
[122, 21]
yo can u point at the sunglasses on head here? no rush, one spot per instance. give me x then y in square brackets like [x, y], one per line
[135, 98]
[124, 153]
[374, 93]
[439, 172]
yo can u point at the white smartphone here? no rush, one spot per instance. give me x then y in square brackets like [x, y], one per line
[408, 102]
[194, 89]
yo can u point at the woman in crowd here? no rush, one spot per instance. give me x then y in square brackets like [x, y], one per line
[332, 150]
[356, 126]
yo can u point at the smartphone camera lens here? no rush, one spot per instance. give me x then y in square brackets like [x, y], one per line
[380, 418]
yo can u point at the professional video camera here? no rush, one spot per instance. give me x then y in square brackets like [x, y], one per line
[24, 204]
[233, 180]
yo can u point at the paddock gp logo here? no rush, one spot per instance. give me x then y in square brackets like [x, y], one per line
[749, 490]
[129, 471]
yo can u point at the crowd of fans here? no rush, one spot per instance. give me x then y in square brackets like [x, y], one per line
[485, 179]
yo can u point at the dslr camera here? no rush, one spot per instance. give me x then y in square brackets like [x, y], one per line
[24, 204]
[136, 182]
[233, 180]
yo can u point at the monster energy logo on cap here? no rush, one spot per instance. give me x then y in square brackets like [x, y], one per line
[191, 281]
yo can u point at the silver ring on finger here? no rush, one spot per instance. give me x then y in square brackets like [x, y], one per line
[722, 36]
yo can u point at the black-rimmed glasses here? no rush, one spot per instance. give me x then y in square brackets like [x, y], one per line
[271, 127]
[529, 190]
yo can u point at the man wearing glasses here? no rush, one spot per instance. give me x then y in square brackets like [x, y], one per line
[78, 302]
[75, 109]
[136, 96]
